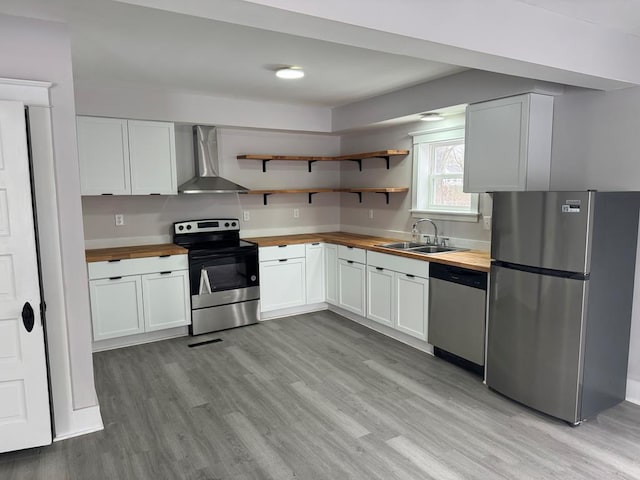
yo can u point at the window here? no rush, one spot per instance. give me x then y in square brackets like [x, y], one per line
[438, 173]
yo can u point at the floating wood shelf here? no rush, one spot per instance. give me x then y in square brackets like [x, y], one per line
[354, 157]
[312, 191]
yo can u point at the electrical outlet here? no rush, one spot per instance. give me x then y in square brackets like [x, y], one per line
[486, 223]
[370, 213]
[296, 213]
[246, 215]
[119, 220]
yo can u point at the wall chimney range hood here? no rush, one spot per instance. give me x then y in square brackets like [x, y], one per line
[207, 179]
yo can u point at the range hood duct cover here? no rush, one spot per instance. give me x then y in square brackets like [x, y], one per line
[208, 179]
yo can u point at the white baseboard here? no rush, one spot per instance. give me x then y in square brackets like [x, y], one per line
[85, 420]
[288, 312]
[139, 339]
[633, 391]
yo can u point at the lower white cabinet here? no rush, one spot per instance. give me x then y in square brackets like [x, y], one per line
[315, 273]
[380, 291]
[165, 297]
[116, 307]
[138, 295]
[351, 286]
[282, 284]
[411, 304]
[331, 273]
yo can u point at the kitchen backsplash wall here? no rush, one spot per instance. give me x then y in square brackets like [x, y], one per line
[148, 218]
[395, 218]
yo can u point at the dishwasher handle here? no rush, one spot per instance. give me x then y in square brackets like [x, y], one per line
[461, 276]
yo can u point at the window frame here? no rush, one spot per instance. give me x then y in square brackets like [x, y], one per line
[422, 167]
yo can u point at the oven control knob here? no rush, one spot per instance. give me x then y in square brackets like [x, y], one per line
[233, 224]
[253, 278]
[180, 228]
[226, 224]
[188, 227]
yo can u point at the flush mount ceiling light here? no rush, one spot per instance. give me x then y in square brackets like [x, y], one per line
[290, 73]
[431, 117]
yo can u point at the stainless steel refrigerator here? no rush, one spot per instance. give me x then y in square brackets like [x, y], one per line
[560, 298]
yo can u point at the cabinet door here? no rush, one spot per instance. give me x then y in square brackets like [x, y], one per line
[116, 307]
[315, 273]
[331, 273]
[282, 284]
[152, 154]
[351, 286]
[380, 295]
[411, 305]
[496, 145]
[103, 155]
[166, 300]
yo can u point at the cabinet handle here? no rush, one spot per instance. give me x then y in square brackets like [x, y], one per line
[349, 261]
[106, 194]
[283, 260]
[165, 273]
[379, 268]
[114, 261]
[115, 278]
[163, 256]
[409, 275]
[350, 248]
[155, 194]
[281, 246]
[317, 243]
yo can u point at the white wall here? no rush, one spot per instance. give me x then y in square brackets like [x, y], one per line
[595, 147]
[394, 219]
[148, 218]
[39, 50]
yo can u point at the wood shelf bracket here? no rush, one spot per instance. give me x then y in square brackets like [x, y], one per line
[265, 196]
[359, 196]
[386, 194]
[264, 169]
[310, 162]
[311, 194]
[358, 161]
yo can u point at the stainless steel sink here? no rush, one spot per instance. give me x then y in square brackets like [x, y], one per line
[402, 245]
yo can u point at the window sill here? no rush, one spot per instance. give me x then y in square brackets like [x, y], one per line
[450, 216]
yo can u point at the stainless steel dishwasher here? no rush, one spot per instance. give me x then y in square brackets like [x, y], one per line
[457, 307]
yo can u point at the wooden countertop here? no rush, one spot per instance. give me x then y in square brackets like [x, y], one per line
[471, 259]
[136, 251]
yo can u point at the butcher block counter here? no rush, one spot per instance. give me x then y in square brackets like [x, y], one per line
[470, 259]
[136, 251]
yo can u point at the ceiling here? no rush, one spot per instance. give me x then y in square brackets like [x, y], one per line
[116, 43]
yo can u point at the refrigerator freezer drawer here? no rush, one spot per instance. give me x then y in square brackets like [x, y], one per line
[535, 337]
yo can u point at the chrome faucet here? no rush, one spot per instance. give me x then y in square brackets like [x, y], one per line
[415, 231]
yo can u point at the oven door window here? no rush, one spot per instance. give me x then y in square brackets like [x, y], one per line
[218, 272]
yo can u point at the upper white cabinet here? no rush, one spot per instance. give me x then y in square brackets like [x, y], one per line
[508, 144]
[126, 157]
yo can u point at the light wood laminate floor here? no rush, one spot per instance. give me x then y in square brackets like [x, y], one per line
[318, 397]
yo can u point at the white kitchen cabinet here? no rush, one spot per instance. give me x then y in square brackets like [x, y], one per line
[132, 296]
[411, 304]
[314, 270]
[116, 307]
[351, 286]
[103, 155]
[126, 157]
[166, 300]
[508, 144]
[282, 284]
[331, 273]
[152, 158]
[380, 291]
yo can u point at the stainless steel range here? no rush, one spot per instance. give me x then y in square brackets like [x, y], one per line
[223, 273]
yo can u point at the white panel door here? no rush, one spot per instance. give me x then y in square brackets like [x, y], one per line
[24, 396]
[331, 273]
[380, 295]
[282, 284]
[315, 273]
[351, 286]
[166, 300]
[116, 307]
[152, 153]
[411, 306]
[103, 154]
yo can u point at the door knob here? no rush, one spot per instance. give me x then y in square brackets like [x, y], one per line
[28, 318]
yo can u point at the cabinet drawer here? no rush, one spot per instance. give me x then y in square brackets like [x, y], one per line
[351, 253]
[137, 266]
[418, 268]
[281, 252]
